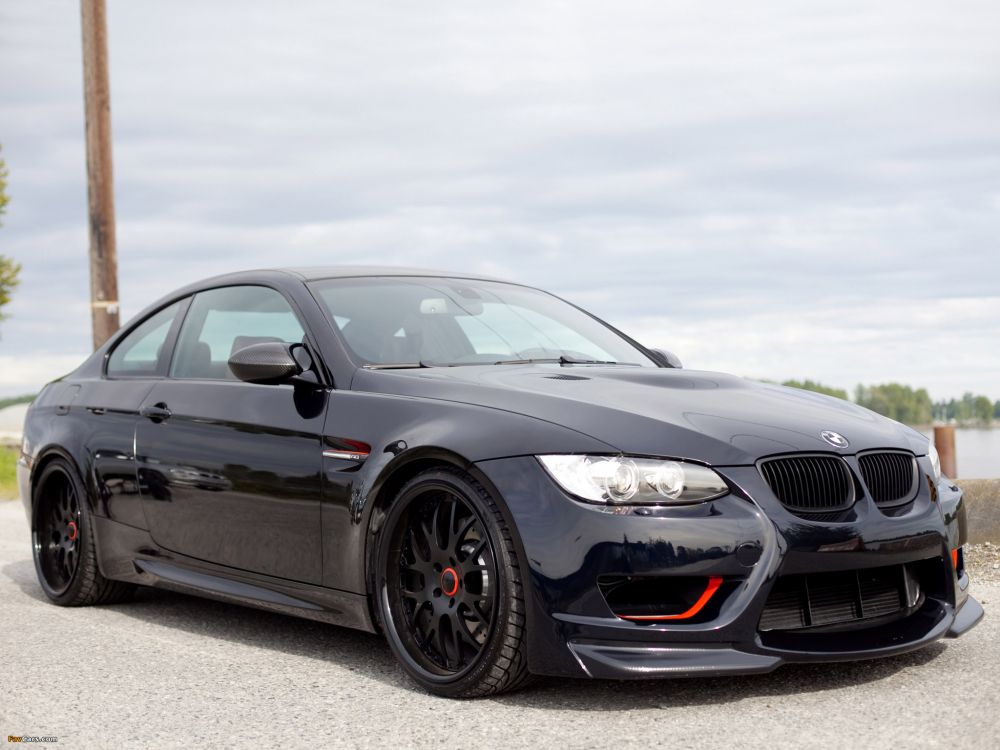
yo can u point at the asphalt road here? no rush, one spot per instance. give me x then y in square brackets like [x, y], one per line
[173, 671]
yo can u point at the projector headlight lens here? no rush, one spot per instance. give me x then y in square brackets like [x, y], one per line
[625, 480]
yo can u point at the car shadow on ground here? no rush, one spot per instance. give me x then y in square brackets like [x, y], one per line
[358, 651]
[368, 655]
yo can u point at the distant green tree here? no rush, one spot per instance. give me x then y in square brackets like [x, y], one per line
[809, 385]
[970, 408]
[896, 401]
[965, 409]
[920, 407]
[953, 409]
[5, 402]
[939, 412]
[982, 410]
[9, 270]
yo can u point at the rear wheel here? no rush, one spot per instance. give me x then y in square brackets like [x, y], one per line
[63, 542]
[449, 588]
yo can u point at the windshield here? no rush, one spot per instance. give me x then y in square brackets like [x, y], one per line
[427, 322]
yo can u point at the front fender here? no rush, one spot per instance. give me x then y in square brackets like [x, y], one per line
[405, 434]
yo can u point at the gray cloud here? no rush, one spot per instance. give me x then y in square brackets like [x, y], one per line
[777, 190]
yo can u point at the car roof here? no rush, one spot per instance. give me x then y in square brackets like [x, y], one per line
[271, 275]
[314, 273]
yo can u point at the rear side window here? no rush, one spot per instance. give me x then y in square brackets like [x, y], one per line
[142, 352]
[222, 321]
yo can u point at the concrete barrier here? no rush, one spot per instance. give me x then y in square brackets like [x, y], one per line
[982, 504]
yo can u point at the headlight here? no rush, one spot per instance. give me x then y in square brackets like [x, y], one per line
[932, 454]
[621, 480]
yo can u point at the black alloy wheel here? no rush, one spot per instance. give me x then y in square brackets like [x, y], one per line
[63, 541]
[449, 588]
[445, 575]
[57, 533]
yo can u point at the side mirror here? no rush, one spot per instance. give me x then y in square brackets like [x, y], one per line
[666, 359]
[269, 363]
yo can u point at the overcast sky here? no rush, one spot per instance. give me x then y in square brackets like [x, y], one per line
[777, 190]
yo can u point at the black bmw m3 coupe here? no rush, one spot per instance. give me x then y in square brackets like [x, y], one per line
[500, 482]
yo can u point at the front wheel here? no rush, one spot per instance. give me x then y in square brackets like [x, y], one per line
[449, 588]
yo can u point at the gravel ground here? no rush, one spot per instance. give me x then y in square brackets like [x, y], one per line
[983, 561]
[173, 671]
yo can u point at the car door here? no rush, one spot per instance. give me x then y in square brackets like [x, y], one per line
[105, 410]
[229, 472]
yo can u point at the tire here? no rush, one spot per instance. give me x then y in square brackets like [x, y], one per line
[449, 591]
[63, 544]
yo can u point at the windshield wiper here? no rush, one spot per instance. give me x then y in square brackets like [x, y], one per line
[397, 365]
[536, 361]
[562, 359]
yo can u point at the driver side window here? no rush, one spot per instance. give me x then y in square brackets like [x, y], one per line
[222, 321]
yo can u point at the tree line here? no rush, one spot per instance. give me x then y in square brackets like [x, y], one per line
[9, 270]
[13, 400]
[912, 406]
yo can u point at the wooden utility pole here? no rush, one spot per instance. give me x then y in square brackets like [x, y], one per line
[944, 441]
[100, 185]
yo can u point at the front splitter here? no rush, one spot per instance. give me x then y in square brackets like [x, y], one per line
[618, 660]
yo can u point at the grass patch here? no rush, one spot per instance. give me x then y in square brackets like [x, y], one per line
[8, 474]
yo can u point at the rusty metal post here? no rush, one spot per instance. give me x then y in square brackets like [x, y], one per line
[100, 185]
[944, 441]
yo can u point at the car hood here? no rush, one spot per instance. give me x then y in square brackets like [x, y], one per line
[706, 416]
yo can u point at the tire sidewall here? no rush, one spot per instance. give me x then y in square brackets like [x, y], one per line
[63, 467]
[448, 685]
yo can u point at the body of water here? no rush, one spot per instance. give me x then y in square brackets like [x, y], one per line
[977, 452]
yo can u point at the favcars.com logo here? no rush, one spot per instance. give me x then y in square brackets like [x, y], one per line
[29, 738]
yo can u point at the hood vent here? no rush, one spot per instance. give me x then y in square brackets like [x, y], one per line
[566, 377]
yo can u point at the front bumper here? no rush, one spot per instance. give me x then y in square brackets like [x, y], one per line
[568, 546]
